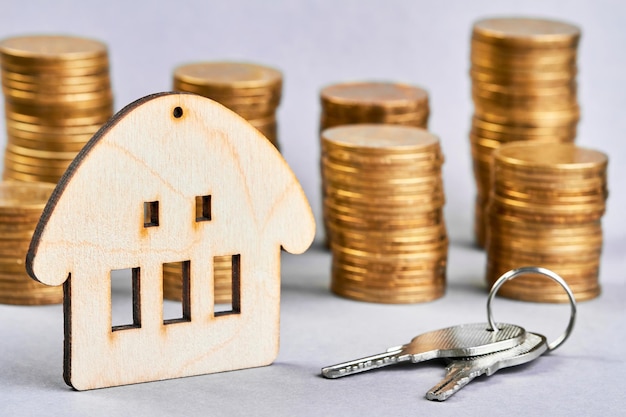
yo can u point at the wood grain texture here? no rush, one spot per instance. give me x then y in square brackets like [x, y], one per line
[170, 148]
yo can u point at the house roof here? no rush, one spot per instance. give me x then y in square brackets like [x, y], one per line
[168, 146]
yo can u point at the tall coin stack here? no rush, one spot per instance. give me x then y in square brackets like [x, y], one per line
[384, 207]
[21, 205]
[252, 91]
[373, 102]
[523, 75]
[545, 209]
[57, 94]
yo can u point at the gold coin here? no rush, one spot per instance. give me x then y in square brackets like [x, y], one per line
[513, 129]
[428, 254]
[11, 175]
[498, 60]
[523, 106]
[19, 198]
[427, 168]
[51, 138]
[327, 123]
[52, 49]
[34, 170]
[494, 100]
[69, 99]
[415, 120]
[391, 268]
[56, 123]
[552, 156]
[393, 139]
[272, 93]
[47, 145]
[353, 114]
[350, 291]
[34, 153]
[521, 32]
[55, 88]
[382, 95]
[227, 76]
[581, 181]
[368, 281]
[526, 79]
[48, 79]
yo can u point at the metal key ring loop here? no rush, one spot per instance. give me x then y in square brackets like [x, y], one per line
[534, 270]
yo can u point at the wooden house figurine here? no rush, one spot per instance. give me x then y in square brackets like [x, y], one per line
[173, 177]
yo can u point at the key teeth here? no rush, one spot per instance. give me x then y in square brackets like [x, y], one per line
[340, 370]
[445, 391]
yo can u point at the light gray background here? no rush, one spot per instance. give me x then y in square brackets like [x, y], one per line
[316, 43]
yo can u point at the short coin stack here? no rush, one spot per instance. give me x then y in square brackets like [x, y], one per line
[252, 91]
[21, 204]
[524, 88]
[373, 102]
[545, 210]
[384, 209]
[57, 95]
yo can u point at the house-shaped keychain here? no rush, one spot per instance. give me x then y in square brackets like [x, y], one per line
[173, 177]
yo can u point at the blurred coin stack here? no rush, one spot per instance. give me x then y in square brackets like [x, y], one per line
[384, 208]
[250, 90]
[57, 94]
[523, 75]
[545, 210]
[373, 102]
[253, 92]
[21, 205]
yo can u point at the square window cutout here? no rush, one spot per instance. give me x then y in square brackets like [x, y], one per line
[203, 208]
[150, 214]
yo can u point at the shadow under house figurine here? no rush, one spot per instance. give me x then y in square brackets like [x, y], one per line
[173, 177]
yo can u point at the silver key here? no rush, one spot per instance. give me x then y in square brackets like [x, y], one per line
[457, 341]
[461, 371]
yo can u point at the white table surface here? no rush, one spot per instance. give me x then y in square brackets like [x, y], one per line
[582, 377]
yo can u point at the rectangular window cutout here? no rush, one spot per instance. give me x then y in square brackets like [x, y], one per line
[176, 286]
[227, 285]
[150, 213]
[125, 299]
[203, 208]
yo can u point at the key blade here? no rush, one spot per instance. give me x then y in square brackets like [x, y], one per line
[462, 371]
[367, 363]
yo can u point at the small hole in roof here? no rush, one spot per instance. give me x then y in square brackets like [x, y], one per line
[178, 112]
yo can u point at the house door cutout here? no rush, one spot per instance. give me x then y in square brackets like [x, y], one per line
[178, 309]
[227, 291]
[125, 299]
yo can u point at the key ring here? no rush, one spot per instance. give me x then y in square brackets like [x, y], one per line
[534, 270]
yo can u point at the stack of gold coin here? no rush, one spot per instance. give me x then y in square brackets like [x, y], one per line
[384, 209]
[545, 210]
[373, 102]
[523, 75]
[222, 273]
[250, 90]
[57, 95]
[21, 204]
